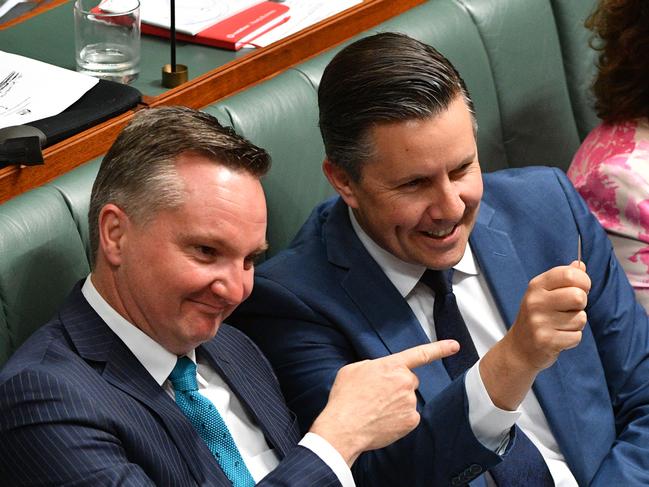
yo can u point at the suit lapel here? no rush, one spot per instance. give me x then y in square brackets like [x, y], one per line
[235, 369]
[508, 279]
[500, 263]
[387, 313]
[392, 320]
[96, 342]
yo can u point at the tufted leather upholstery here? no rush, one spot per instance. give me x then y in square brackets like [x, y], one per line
[41, 257]
[526, 63]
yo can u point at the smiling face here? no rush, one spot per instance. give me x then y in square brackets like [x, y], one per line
[180, 275]
[419, 193]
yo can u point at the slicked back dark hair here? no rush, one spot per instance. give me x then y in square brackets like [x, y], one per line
[383, 78]
[139, 172]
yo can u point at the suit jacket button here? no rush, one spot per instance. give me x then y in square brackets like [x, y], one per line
[475, 469]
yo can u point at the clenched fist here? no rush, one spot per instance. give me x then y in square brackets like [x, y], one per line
[550, 319]
[551, 316]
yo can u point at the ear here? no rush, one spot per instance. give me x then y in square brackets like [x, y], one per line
[113, 224]
[341, 182]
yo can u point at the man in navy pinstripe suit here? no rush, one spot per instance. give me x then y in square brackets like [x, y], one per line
[177, 217]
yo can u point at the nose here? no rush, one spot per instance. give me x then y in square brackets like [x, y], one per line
[445, 202]
[233, 284]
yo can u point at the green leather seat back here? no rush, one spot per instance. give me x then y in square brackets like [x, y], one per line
[526, 63]
[281, 116]
[468, 55]
[509, 52]
[525, 56]
[75, 188]
[41, 257]
[221, 113]
[578, 59]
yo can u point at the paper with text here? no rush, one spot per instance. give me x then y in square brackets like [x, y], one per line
[192, 16]
[304, 13]
[31, 90]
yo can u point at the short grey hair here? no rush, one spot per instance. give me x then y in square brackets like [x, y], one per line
[139, 175]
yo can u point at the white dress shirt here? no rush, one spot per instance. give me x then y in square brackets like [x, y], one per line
[159, 362]
[490, 424]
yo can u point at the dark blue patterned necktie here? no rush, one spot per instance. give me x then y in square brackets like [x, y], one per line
[524, 466]
[208, 423]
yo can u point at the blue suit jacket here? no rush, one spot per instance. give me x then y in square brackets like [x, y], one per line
[77, 408]
[325, 302]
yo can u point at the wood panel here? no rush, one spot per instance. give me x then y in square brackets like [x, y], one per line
[208, 88]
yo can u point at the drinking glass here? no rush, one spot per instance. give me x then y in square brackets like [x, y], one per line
[107, 38]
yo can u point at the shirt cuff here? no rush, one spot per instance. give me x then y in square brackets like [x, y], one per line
[490, 424]
[328, 454]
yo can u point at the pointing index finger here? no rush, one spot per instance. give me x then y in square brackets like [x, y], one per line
[424, 354]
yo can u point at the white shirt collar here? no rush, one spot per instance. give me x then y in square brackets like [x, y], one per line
[404, 275]
[156, 359]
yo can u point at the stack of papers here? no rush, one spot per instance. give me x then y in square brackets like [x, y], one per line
[233, 24]
[230, 24]
[25, 97]
[192, 16]
[304, 13]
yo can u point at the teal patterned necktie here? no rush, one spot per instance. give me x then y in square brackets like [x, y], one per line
[209, 424]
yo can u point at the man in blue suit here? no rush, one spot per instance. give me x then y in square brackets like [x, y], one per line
[128, 384]
[553, 370]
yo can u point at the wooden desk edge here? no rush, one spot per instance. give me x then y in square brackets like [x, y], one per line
[206, 89]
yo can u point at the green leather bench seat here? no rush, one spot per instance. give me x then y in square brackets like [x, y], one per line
[41, 257]
[527, 65]
[510, 54]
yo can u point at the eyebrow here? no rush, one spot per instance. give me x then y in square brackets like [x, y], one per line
[410, 177]
[218, 242]
[471, 158]
[259, 251]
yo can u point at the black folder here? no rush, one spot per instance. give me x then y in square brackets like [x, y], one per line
[103, 101]
[22, 144]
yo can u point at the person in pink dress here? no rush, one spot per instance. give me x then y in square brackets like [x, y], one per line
[611, 168]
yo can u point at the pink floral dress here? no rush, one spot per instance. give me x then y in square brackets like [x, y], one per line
[611, 172]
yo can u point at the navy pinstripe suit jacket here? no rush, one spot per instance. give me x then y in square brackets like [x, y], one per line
[77, 408]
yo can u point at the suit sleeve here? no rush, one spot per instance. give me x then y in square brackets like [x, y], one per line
[46, 438]
[307, 351]
[299, 468]
[621, 331]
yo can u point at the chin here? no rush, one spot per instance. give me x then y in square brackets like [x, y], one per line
[205, 332]
[211, 332]
[443, 262]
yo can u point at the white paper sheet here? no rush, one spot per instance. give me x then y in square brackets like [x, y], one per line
[7, 5]
[31, 90]
[192, 16]
[304, 13]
